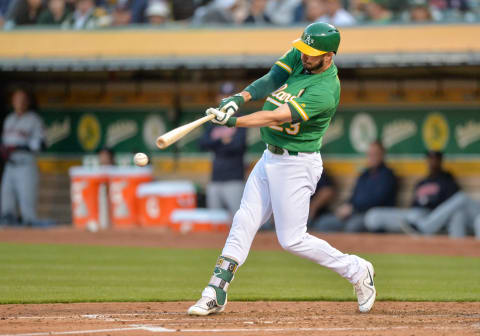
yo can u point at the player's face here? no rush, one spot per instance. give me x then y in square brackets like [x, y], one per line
[20, 101]
[105, 158]
[374, 156]
[434, 163]
[312, 63]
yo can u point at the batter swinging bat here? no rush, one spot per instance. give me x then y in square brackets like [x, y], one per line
[177, 133]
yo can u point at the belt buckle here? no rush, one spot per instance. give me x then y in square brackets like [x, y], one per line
[275, 149]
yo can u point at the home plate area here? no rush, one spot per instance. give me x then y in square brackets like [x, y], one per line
[242, 318]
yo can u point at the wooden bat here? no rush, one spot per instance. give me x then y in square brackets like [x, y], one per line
[177, 133]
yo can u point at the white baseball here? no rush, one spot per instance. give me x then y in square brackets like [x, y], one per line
[140, 159]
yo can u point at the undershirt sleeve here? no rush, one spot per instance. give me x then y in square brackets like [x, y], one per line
[295, 115]
[265, 85]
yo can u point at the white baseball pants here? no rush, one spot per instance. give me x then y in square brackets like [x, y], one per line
[283, 184]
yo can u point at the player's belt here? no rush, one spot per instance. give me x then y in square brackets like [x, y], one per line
[279, 150]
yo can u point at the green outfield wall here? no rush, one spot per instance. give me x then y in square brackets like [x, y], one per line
[407, 131]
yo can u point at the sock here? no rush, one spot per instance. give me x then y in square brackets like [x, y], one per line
[222, 276]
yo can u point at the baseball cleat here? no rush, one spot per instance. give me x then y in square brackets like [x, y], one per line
[207, 304]
[365, 290]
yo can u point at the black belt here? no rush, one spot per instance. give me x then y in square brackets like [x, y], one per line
[279, 150]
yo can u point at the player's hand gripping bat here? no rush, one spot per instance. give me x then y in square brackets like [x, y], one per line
[177, 133]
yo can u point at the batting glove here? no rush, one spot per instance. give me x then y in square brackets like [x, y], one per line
[231, 104]
[221, 118]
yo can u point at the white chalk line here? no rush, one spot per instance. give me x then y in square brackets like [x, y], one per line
[74, 332]
[160, 329]
[155, 328]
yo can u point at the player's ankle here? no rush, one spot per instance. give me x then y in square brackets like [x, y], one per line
[221, 278]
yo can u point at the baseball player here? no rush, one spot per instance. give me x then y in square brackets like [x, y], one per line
[303, 91]
[22, 138]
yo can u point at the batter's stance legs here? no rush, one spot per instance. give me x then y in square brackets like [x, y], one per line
[282, 184]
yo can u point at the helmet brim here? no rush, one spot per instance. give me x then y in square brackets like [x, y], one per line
[306, 49]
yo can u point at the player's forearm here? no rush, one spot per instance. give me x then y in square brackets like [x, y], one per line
[262, 119]
[246, 96]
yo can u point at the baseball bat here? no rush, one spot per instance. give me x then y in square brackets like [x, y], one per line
[177, 133]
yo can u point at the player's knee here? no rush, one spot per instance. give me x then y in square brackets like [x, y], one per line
[290, 244]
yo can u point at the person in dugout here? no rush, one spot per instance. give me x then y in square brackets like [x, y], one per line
[22, 138]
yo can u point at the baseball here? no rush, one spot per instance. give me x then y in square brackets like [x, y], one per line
[140, 159]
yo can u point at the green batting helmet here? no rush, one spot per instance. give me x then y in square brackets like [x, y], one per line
[317, 39]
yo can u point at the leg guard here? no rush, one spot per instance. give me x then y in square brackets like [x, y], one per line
[222, 276]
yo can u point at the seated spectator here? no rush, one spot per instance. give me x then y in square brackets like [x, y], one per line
[4, 5]
[282, 12]
[228, 145]
[55, 14]
[321, 200]
[183, 10]
[23, 12]
[376, 186]
[432, 205]
[122, 13]
[453, 10]
[84, 16]
[22, 138]
[128, 11]
[158, 13]
[309, 11]
[378, 11]
[419, 12]
[335, 14]
[358, 9]
[138, 8]
[257, 12]
[220, 11]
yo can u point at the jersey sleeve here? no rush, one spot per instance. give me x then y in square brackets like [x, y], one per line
[310, 105]
[289, 60]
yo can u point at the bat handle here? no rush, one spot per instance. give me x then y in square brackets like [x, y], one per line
[209, 117]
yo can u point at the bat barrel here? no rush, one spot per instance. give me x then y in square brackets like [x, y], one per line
[170, 137]
[161, 143]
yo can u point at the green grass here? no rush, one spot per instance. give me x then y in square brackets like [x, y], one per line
[66, 273]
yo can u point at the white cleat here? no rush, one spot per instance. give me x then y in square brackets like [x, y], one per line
[365, 289]
[207, 304]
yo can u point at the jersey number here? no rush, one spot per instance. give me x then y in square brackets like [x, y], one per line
[292, 130]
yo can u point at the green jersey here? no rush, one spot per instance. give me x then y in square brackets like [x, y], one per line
[312, 98]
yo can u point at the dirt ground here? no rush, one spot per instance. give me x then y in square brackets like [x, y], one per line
[265, 240]
[243, 318]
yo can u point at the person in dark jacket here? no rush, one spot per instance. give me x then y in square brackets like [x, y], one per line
[376, 186]
[55, 14]
[4, 5]
[23, 12]
[256, 13]
[228, 145]
[431, 207]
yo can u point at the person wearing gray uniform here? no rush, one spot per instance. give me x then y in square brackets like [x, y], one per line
[464, 217]
[438, 204]
[22, 137]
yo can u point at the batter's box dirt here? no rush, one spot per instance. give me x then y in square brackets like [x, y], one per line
[242, 318]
